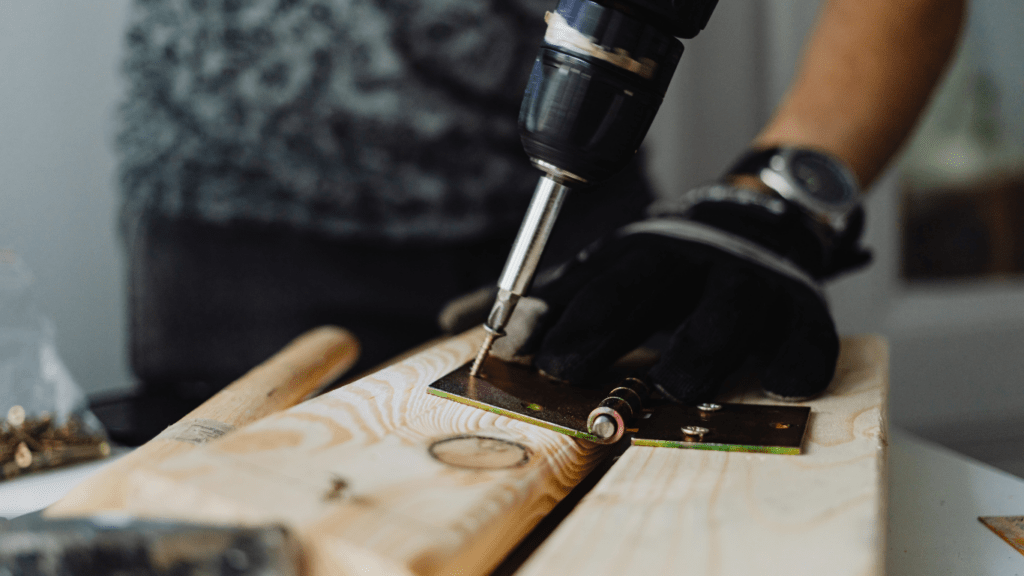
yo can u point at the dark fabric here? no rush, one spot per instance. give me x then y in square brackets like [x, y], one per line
[359, 119]
[208, 302]
[727, 317]
[291, 163]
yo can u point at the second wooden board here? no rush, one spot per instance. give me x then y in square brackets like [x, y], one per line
[665, 511]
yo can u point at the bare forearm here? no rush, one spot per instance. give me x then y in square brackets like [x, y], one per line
[867, 72]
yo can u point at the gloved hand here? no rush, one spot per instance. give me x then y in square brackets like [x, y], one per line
[733, 273]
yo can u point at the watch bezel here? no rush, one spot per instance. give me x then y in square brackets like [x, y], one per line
[776, 172]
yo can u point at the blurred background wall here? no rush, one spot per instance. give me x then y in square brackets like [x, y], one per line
[59, 85]
[957, 345]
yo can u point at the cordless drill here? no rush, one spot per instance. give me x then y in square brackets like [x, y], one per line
[597, 83]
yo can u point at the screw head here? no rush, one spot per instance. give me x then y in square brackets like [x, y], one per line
[604, 427]
[698, 431]
[16, 416]
[709, 407]
[23, 456]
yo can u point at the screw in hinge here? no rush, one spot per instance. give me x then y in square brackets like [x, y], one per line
[695, 431]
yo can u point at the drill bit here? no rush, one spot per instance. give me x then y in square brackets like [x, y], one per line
[522, 260]
[481, 354]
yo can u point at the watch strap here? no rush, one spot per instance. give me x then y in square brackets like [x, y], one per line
[752, 161]
[770, 222]
[680, 204]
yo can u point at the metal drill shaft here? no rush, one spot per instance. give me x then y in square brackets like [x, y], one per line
[522, 260]
[533, 235]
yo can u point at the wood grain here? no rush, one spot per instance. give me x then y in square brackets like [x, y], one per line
[666, 511]
[311, 361]
[352, 472]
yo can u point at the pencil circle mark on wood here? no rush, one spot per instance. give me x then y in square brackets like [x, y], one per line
[474, 452]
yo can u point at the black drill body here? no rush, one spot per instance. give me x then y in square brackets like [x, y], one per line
[599, 80]
[597, 83]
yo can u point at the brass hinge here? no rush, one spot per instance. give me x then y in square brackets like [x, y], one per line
[521, 392]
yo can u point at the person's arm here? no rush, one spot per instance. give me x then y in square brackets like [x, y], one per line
[867, 72]
[738, 277]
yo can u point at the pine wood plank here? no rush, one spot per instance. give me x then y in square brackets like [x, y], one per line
[352, 473]
[663, 511]
[305, 365]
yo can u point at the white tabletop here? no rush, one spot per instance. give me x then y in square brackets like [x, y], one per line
[37, 491]
[935, 498]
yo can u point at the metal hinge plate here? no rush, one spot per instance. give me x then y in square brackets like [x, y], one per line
[522, 393]
[1009, 528]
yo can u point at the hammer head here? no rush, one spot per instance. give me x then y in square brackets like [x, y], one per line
[115, 544]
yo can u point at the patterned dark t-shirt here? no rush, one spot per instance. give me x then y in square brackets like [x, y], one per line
[366, 119]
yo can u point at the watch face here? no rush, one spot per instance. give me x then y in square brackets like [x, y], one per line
[821, 178]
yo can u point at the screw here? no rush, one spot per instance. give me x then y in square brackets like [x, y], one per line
[604, 427]
[16, 416]
[18, 432]
[73, 428]
[39, 427]
[709, 407]
[72, 454]
[23, 456]
[698, 431]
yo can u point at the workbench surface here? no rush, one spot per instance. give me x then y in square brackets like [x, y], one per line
[935, 497]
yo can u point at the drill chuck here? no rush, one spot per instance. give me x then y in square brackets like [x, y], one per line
[596, 85]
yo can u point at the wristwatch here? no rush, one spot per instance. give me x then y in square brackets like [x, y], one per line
[820, 185]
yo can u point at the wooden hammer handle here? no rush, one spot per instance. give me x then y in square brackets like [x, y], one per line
[308, 364]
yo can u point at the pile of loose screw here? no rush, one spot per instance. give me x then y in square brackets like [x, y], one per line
[33, 444]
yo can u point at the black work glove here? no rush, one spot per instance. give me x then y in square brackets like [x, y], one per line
[732, 273]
